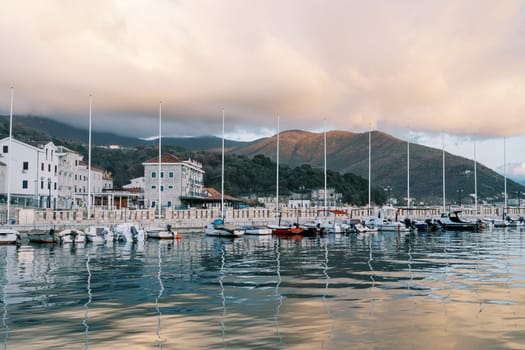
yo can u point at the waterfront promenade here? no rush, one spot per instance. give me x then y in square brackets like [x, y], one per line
[195, 219]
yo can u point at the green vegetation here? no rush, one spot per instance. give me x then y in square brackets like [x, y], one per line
[257, 175]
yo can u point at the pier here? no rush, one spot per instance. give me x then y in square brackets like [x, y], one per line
[195, 219]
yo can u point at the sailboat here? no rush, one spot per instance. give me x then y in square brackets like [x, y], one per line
[218, 227]
[282, 229]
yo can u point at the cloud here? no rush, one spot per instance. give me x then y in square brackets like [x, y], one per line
[427, 65]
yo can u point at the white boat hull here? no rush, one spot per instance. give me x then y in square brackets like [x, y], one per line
[8, 236]
[72, 236]
[254, 230]
[223, 231]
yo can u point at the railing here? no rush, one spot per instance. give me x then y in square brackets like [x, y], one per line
[199, 217]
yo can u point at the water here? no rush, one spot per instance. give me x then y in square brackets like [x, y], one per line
[382, 291]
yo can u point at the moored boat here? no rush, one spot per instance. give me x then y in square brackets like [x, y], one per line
[37, 236]
[161, 233]
[9, 236]
[286, 230]
[256, 230]
[220, 229]
[99, 234]
[453, 222]
[129, 232]
[72, 236]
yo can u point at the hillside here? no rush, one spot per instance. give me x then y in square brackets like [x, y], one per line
[30, 128]
[348, 153]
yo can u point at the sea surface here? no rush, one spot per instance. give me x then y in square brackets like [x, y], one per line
[446, 290]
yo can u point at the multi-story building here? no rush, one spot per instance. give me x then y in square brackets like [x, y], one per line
[178, 180]
[73, 179]
[46, 176]
[32, 172]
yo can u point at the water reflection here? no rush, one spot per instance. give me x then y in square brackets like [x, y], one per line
[86, 305]
[161, 290]
[444, 290]
[278, 295]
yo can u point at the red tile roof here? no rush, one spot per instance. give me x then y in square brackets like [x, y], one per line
[164, 158]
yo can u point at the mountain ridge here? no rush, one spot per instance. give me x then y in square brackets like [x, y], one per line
[347, 152]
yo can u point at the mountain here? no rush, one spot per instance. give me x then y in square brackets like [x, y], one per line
[42, 129]
[347, 152]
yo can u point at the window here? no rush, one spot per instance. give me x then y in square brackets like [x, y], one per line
[153, 187]
[25, 166]
[55, 185]
[153, 174]
[169, 204]
[161, 188]
[49, 167]
[153, 204]
[24, 184]
[162, 174]
[170, 174]
[5, 149]
[56, 169]
[42, 166]
[42, 185]
[170, 187]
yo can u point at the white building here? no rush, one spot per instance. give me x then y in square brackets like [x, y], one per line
[32, 173]
[178, 180]
[46, 176]
[73, 180]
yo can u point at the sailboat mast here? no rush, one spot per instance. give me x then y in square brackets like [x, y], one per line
[443, 139]
[222, 169]
[89, 160]
[369, 168]
[10, 151]
[408, 173]
[325, 182]
[505, 172]
[160, 161]
[475, 180]
[277, 160]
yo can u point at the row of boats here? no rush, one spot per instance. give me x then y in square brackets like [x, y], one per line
[129, 232]
[125, 232]
[451, 221]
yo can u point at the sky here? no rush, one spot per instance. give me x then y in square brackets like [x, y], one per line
[414, 69]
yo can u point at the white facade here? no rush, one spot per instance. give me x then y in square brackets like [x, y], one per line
[177, 179]
[46, 176]
[32, 173]
[73, 180]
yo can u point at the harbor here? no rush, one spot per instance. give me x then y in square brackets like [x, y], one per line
[195, 219]
[381, 290]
